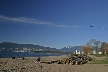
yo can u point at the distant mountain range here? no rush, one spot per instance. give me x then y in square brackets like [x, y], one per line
[9, 46]
[71, 48]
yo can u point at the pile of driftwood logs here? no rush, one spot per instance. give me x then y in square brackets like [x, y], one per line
[74, 59]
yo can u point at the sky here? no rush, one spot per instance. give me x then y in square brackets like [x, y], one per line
[53, 23]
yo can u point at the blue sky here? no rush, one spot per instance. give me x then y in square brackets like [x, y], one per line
[53, 23]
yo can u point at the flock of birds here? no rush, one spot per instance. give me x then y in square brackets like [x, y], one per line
[99, 27]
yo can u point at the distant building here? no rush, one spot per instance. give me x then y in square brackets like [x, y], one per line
[94, 52]
[100, 53]
[77, 52]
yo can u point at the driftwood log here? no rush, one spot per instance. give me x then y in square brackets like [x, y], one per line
[74, 59]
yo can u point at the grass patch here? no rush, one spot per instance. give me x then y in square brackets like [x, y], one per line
[99, 55]
[104, 61]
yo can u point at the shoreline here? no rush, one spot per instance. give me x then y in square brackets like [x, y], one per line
[26, 54]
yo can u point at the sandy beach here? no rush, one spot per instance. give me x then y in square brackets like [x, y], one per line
[29, 65]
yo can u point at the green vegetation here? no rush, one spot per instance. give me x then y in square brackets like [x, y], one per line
[99, 55]
[104, 61]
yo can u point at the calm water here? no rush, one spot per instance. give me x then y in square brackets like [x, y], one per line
[4, 54]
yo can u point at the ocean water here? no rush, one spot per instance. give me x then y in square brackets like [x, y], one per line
[5, 54]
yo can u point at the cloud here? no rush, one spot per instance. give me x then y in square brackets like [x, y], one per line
[31, 21]
[67, 26]
[24, 20]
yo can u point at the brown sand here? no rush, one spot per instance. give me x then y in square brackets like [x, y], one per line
[29, 65]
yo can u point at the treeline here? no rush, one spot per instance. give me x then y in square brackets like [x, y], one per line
[96, 46]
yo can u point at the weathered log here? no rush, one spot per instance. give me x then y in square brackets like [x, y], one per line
[74, 59]
[67, 61]
[53, 61]
[72, 62]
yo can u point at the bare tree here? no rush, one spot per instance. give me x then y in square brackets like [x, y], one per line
[91, 42]
[95, 45]
[102, 46]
